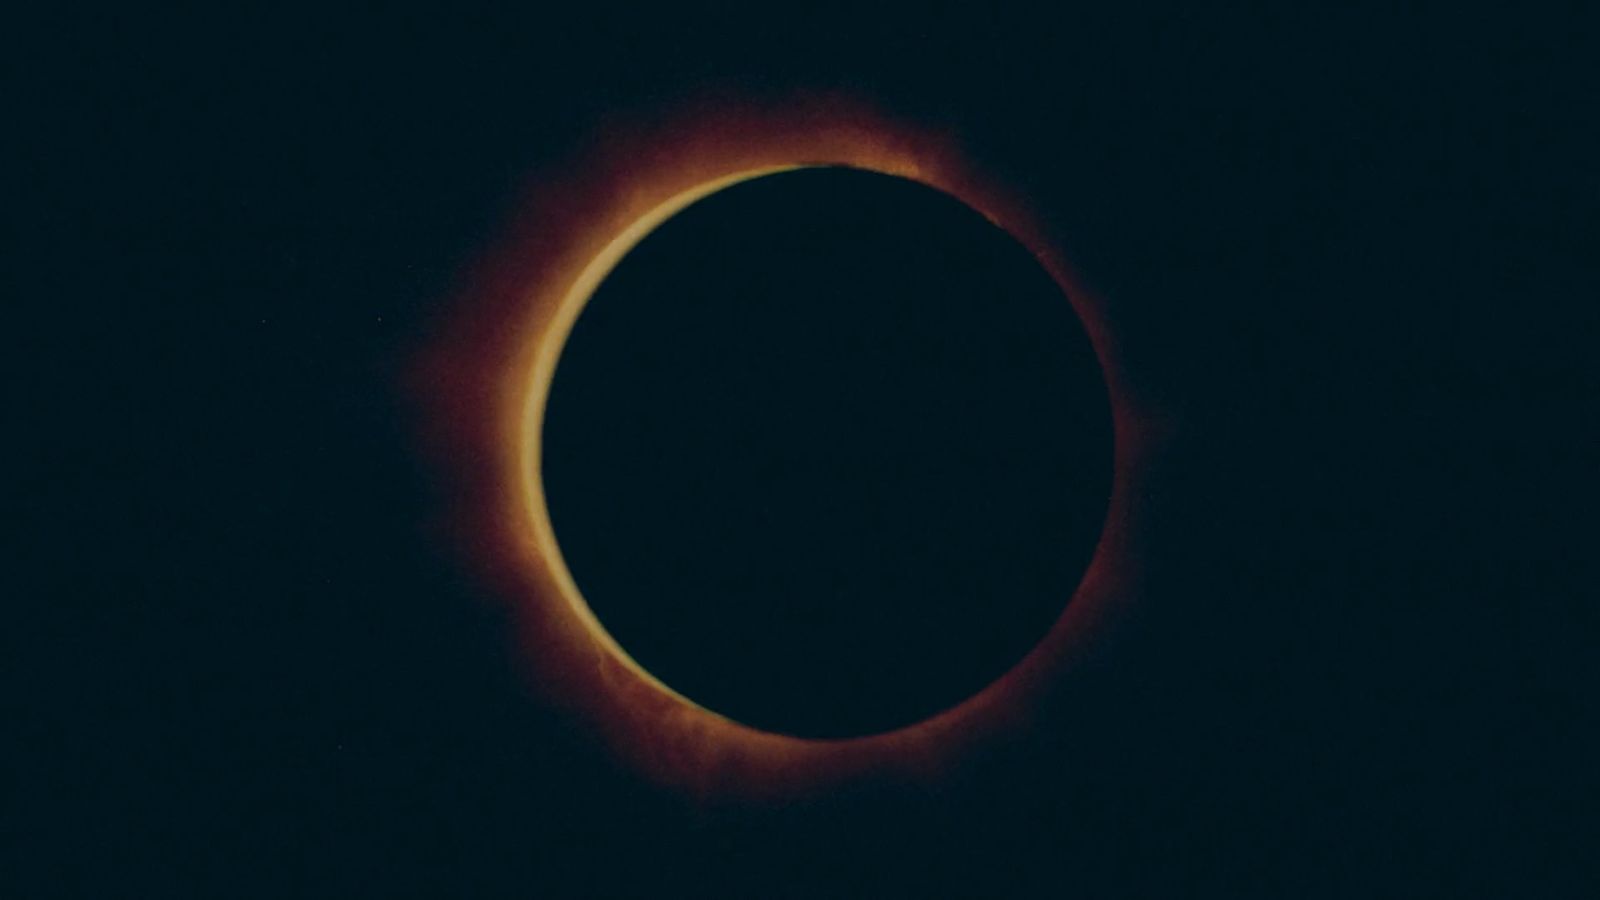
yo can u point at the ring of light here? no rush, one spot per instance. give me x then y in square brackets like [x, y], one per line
[486, 380]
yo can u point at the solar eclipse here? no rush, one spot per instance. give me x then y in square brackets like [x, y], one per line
[920, 647]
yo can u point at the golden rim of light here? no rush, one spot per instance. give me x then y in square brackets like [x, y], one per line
[501, 353]
[544, 367]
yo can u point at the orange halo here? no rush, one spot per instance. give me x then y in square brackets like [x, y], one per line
[486, 378]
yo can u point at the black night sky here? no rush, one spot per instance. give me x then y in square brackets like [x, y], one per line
[1349, 260]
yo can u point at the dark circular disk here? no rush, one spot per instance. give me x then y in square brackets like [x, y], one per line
[828, 452]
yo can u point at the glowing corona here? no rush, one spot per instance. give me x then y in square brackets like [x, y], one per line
[485, 380]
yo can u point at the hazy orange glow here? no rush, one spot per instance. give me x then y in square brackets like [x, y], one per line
[485, 377]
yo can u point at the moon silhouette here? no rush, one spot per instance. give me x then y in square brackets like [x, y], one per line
[826, 452]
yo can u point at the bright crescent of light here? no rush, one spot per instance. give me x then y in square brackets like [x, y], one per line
[544, 367]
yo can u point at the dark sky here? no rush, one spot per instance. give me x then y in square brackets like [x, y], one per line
[1349, 258]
